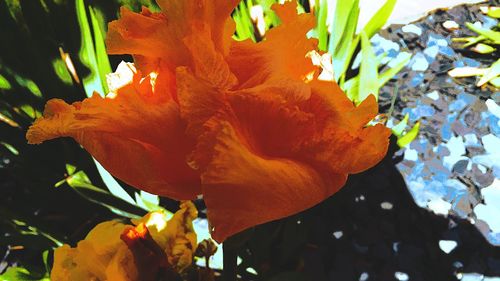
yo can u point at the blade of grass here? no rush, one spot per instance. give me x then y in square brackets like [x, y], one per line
[343, 10]
[93, 55]
[82, 185]
[368, 71]
[103, 65]
[351, 88]
[390, 73]
[410, 136]
[379, 19]
[321, 27]
[344, 51]
[488, 33]
[92, 82]
[393, 101]
[491, 73]
[400, 127]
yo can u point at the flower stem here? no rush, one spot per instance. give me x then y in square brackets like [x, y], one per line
[230, 263]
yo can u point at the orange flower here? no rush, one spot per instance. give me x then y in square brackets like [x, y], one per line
[117, 251]
[247, 125]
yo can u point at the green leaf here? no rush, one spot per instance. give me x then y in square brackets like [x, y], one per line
[20, 274]
[4, 83]
[379, 19]
[368, 71]
[343, 10]
[113, 186]
[495, 82]
[488, 33]
[343, 45]
[483, 49]
[148, 201]
[393, 101]
[92, 82]
[24, 228]
[390, 73]
[70, 169]
[410, 136]
[492, 73]
[351, 87]
[494, 12]
[400, 127]
[10, 148]
[29, 84]
[321, 27]
[469, 41]
[62, 71]
[103, 65]
[244, 24]
[45, 259]
[93, 55]
[82, 185]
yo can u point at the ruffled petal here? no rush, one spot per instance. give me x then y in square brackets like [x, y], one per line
[137, 135]
[282, 55]
[270, 119]
[342, 140]
[271, 140]
[198, 100]
[181, 238]
[242, 189]
[152, 37]
[66, 268]
[216, 14]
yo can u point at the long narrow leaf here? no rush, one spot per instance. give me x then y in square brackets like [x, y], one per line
[368, 72]
[321, 27]
[491, 73]
[400, 127]
[82, 185]
[92, 82]
[103, 65]
[488, 33]
[390, 73]
[92, 51]
[344, 51]
[341, 17]
[379, 19]
[351, 88]
[410, 136]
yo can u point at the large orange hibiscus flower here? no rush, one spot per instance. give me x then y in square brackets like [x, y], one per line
[243, 124]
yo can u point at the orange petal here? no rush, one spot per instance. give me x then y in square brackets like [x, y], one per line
[342, 141]
[160, 36]
[137, 136]
[214, 13]
[208, 64]
[281, 55]
[270, 119]
[198, 100]
[242, 189]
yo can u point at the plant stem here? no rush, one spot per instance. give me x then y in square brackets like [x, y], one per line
[230, 263]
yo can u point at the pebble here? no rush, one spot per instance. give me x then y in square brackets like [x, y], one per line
[419, 62]
[411, 28]
[493, 107]
[447, 245]
[434, 95]
[491, 144]
[471, 140]
[451, 25]
[411, 154]
[439, 206]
